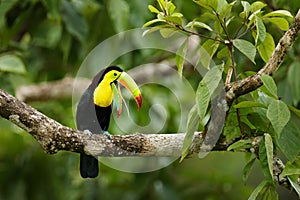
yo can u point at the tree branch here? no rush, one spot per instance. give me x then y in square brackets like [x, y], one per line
[54, 137]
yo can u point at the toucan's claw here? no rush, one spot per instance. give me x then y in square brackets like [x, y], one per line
[88, 132]
[107, 134]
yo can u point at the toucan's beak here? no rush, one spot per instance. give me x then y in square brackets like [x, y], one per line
[129, 83]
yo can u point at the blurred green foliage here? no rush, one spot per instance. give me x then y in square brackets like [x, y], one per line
[43, 40]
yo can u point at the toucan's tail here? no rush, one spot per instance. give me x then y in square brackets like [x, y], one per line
[88, 166]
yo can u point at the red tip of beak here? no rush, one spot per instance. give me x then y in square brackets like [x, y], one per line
[139, 100]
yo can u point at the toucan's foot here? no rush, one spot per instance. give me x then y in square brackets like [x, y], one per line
[107, 134]
[86, 131]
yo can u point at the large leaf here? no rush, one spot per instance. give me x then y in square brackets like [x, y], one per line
[269, 85]
[11, 63]
[119, 13]
[207, 51]
[279, 13]
[74, 21]
[293, 78]
[282, 23]
[261, 31]
[202, 99]
[266, 48]
[279, 115]
[266, 156]
[256, 6]
[289, 141]
[247, 48]
[225, 9]
[180, 56]
[246, 11]
[192, 125]
[269, 151]
[208, 4]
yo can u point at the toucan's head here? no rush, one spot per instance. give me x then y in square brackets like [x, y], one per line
[111, 75]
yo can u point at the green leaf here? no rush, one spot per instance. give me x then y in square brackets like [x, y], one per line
[270, 85]
[152, 22]
[74, 21]
[177, 14]
[170, 7]
[231, 128]
[213, 77]
[247, 48]
[206, 88]
[261, 31]
[208, 4]
[295, 185]
[223, 53]
[11, 63]
[266, 48]
[279, 13]
[257, 190]
[119, 13]
[265, 151]
[279, 115]
[153, 9]
[256, 6]
[207, 51]
[246, 11]
[269, 151]
[291, 168]
[180, 56]
[282, 23]
[198, 24]
[225, 9]
[175, 20]
[250, 104]
[240, 144]
[202, 99]
[247, 169]
[293, 78]
[289, 141]
[192, 125]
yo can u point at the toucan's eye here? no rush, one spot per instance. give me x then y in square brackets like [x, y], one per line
[115, 74]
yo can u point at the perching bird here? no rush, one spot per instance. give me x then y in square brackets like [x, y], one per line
[95, 107]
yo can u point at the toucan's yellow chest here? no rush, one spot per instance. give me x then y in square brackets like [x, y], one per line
[103, 94]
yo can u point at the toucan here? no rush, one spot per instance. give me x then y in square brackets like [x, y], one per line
[95, 107]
